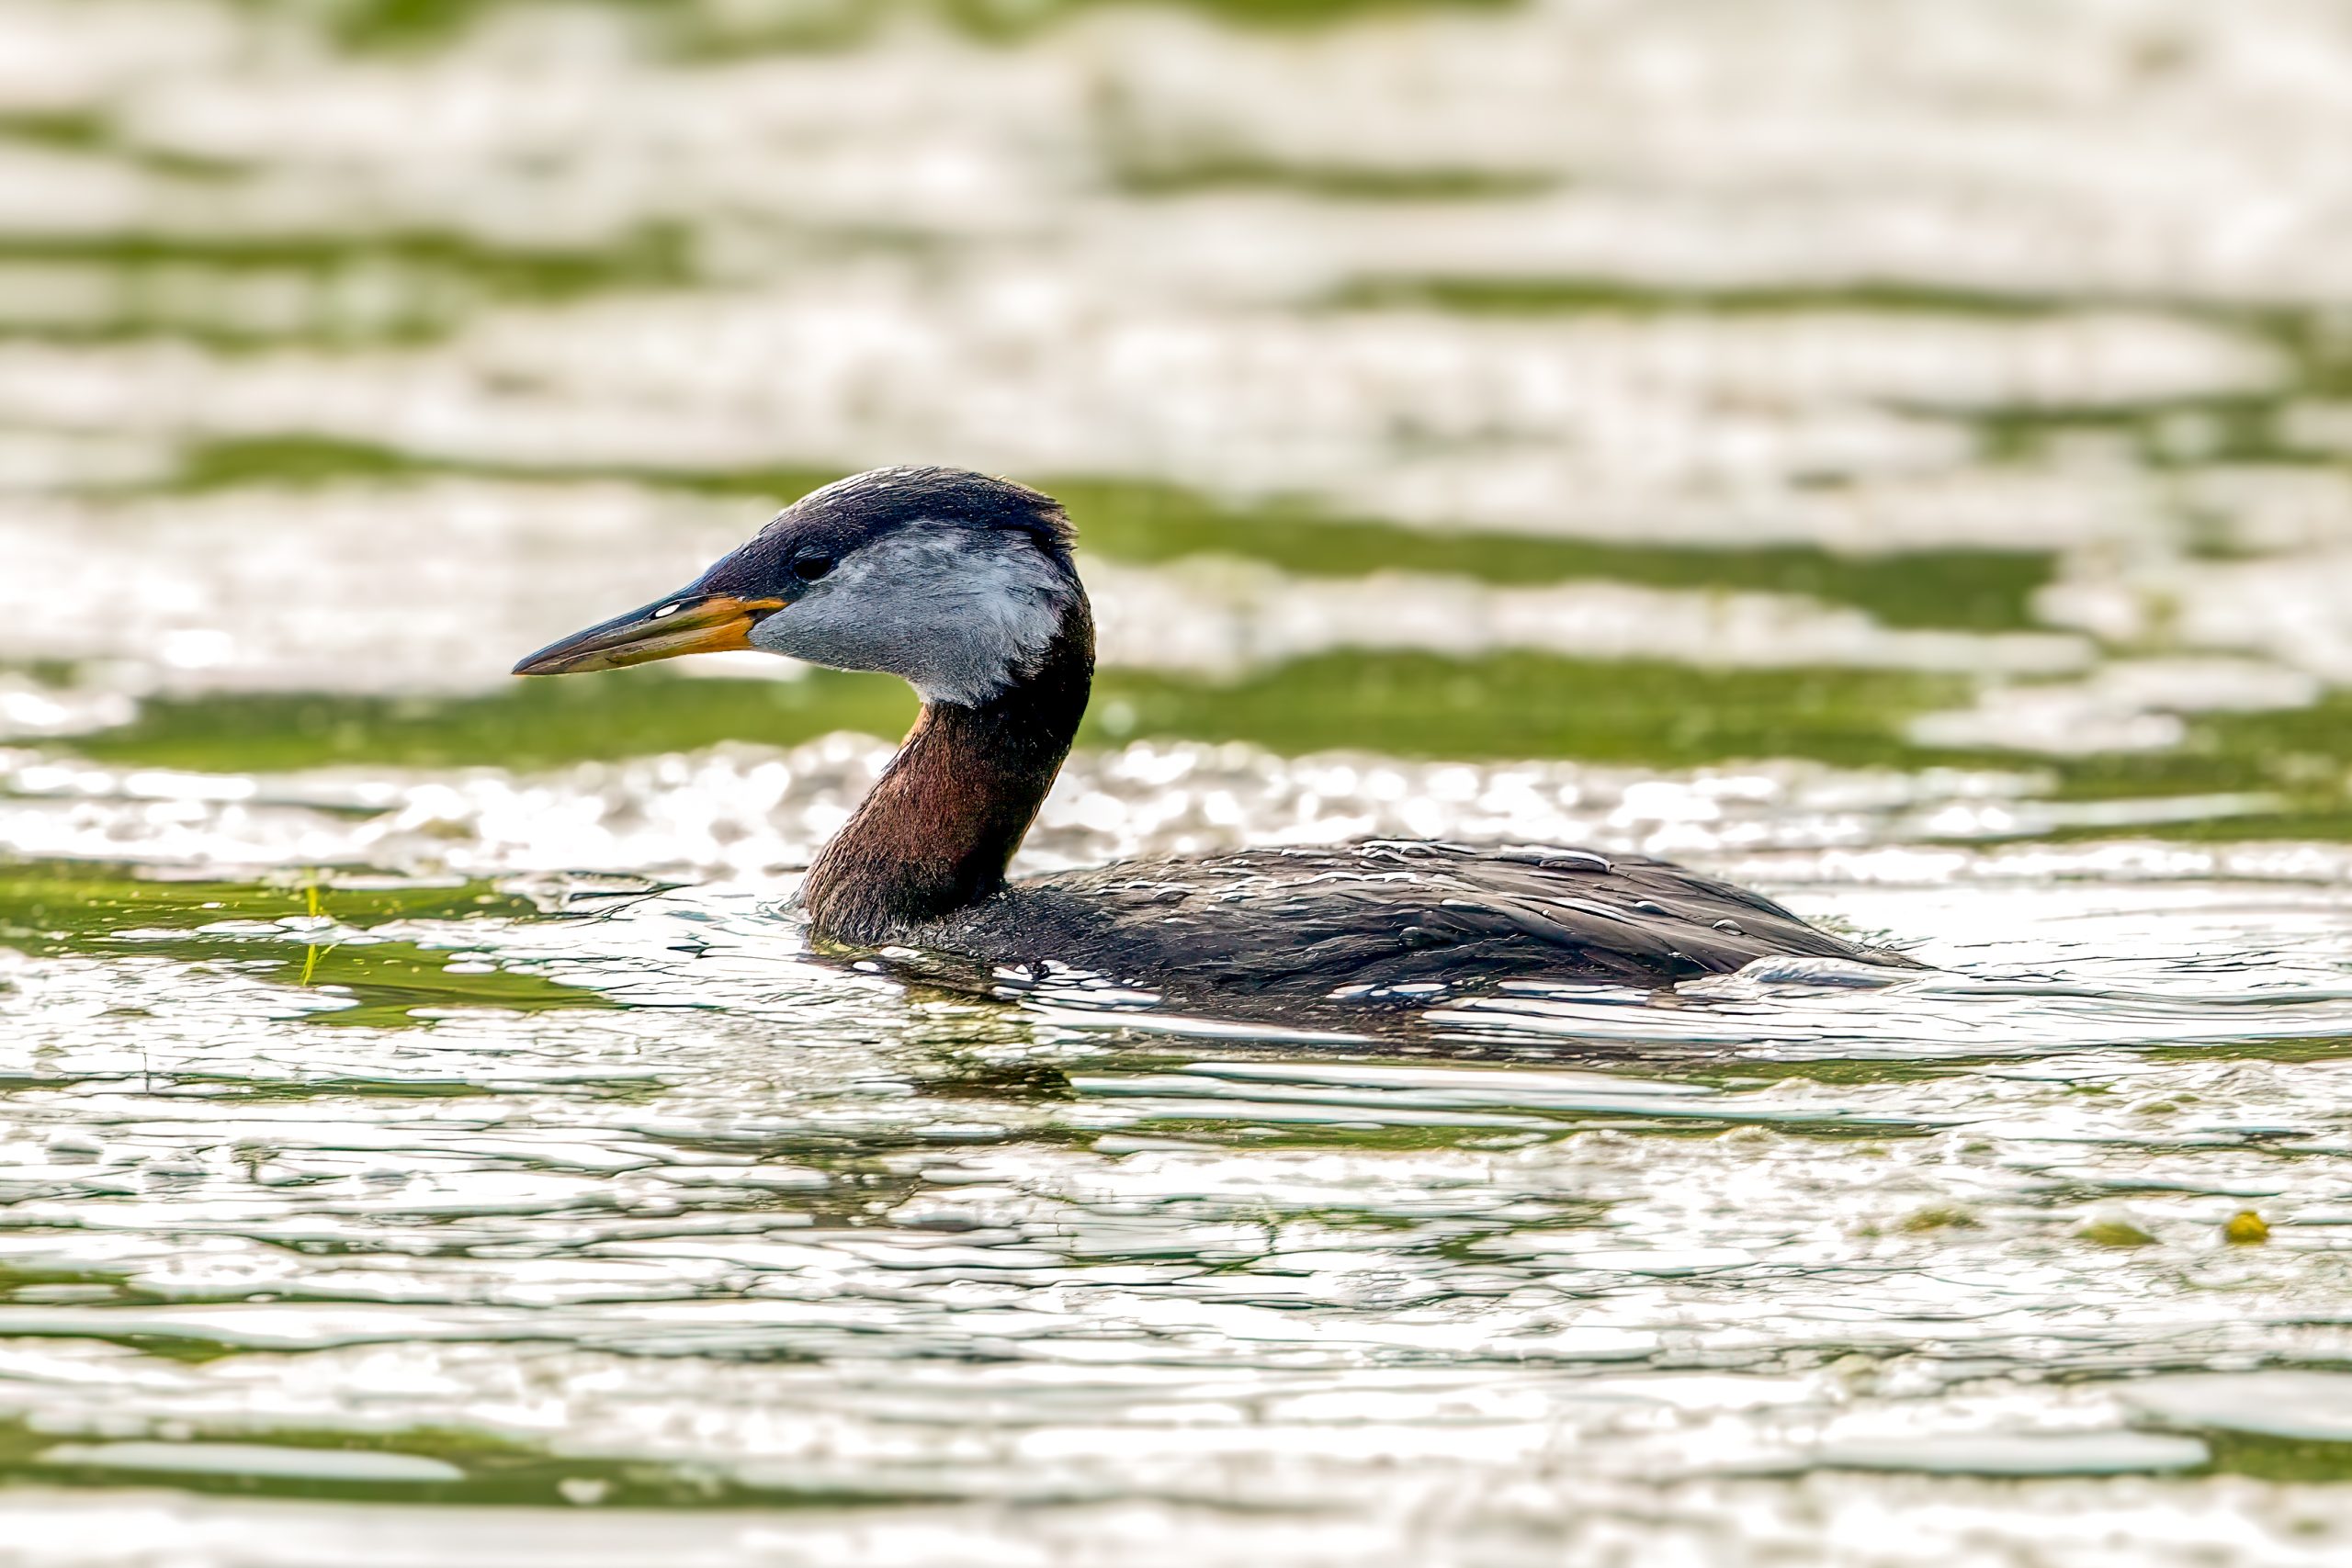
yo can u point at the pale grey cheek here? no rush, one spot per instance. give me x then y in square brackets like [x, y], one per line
[819, 633]
[946, 653]
[957, 623]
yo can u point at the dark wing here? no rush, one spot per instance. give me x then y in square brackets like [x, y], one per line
[1380, 921]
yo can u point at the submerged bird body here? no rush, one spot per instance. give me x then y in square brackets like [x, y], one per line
[1374, 924]
[965, 586]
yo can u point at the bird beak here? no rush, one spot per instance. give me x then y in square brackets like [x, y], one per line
[690, 622]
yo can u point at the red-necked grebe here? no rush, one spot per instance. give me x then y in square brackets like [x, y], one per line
[964, 586]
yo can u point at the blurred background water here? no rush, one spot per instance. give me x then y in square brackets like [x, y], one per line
[1897, 453]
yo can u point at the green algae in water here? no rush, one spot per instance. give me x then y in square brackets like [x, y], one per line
[1185, 176]
[1522, 705]
[2166, 434]
[1613, 296]
[2234, 428]
[654, 254]
[531, 724]
[299, 460]
[1969, 589]
[696, 25]
[73, 130]
[52, 907]
[1959, 589]
[77, 131]
[416, 1465]
[396, 286]
[1403, 705]
[397, 985]
[37, 1286]
[2303, 757]
[2312, 1461]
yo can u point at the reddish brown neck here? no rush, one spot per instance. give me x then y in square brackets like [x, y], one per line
[942, 821]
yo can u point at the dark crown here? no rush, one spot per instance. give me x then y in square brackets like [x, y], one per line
[886, 498]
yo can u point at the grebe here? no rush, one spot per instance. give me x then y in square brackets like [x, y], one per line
[964, 586]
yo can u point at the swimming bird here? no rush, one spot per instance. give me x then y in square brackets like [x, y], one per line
[964, 586]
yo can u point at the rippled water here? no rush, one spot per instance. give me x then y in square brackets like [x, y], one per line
[413, 1196]
[1891, 454]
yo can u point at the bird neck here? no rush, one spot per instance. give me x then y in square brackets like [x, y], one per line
[942, 821]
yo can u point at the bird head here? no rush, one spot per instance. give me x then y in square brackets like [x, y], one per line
[955, 581]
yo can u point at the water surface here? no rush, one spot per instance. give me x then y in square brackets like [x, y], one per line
[1808, 445]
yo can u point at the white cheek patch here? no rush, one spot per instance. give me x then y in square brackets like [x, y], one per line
[959, 614]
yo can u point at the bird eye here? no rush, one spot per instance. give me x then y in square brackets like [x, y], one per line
[809, 568]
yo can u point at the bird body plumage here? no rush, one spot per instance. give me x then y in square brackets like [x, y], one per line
[1375, 923]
